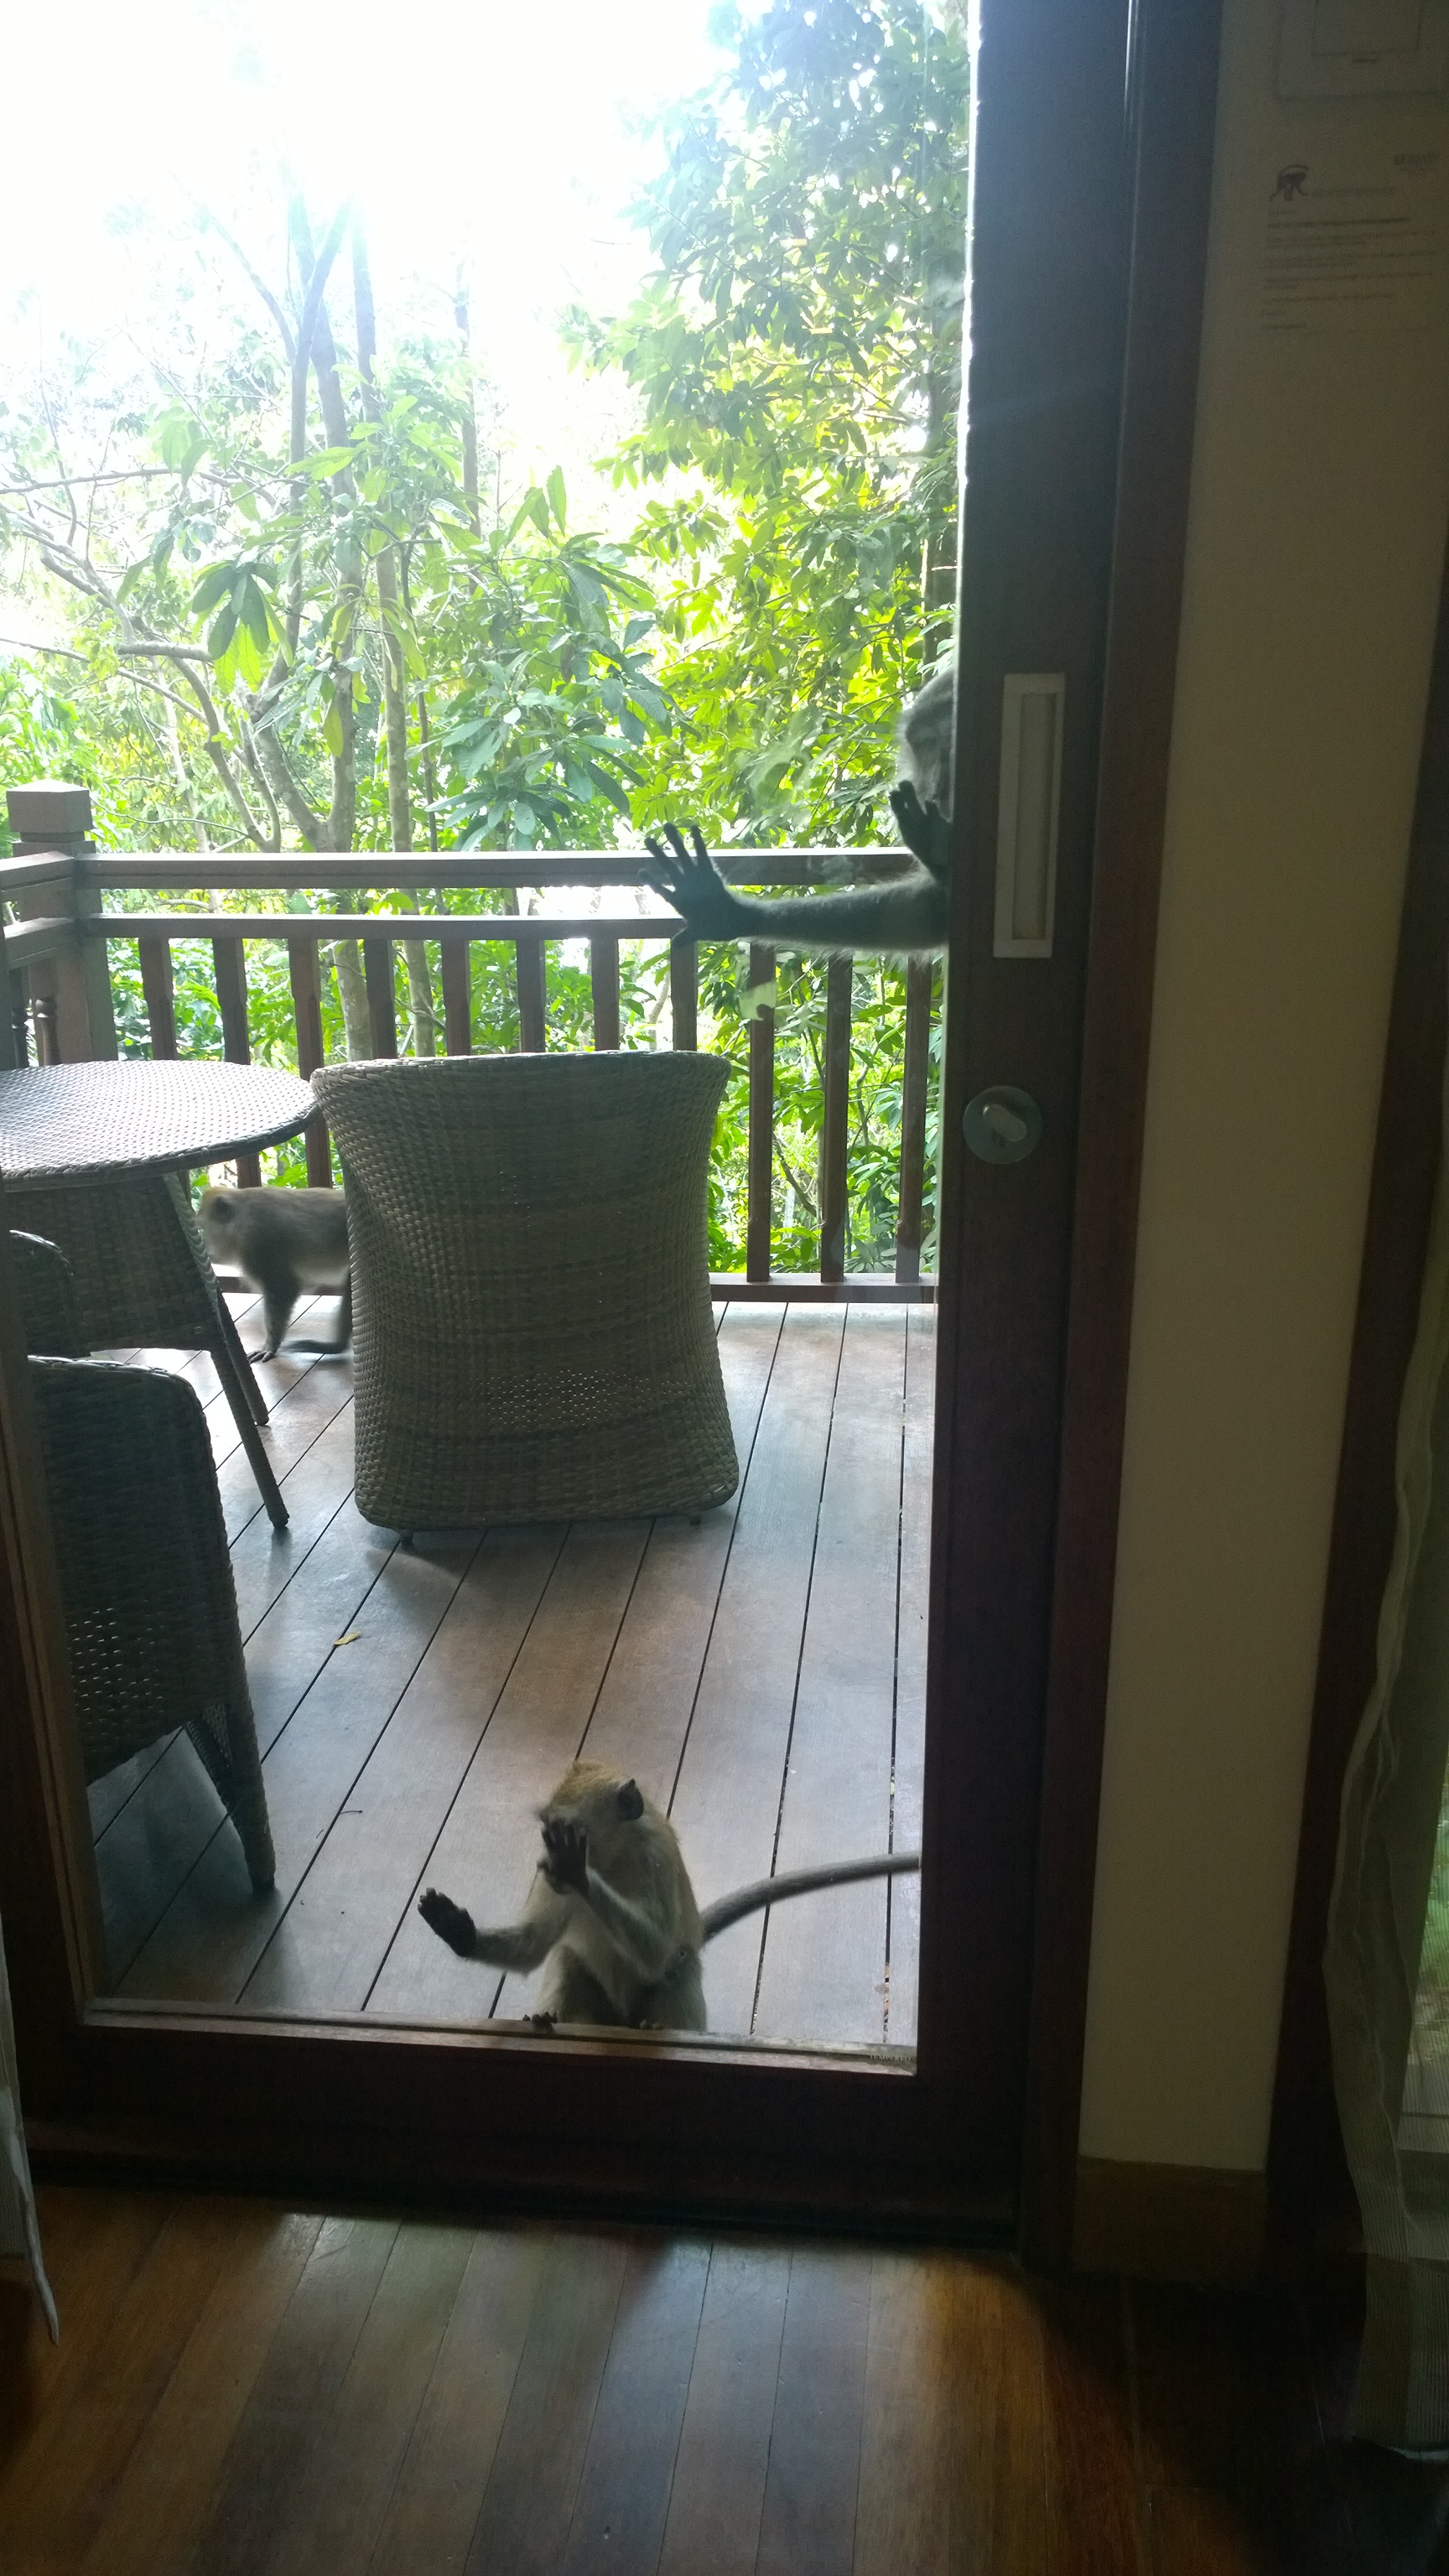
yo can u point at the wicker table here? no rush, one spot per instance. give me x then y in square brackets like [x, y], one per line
[125, 1132]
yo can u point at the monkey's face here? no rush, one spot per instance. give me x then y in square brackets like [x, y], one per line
[593, 1801]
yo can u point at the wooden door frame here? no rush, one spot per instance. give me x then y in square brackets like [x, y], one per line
[1312, 2208]
[1176, 82]
[727, 2132]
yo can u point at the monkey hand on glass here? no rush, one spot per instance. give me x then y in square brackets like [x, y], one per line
[452, 1923]
[690, 880]
[925, 830]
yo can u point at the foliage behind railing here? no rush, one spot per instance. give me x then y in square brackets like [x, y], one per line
[824, 1157]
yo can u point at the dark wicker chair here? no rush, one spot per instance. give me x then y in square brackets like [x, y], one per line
[145, 1578]
[533, 1337]
[143, 1277]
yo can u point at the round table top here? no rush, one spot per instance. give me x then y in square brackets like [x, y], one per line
[78, 1122]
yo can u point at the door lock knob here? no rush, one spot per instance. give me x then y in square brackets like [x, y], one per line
[1002, 1125]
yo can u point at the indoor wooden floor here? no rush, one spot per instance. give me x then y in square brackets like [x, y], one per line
[762, 1675]
[241, 2390]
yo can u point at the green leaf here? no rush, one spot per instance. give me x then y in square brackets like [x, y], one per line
[556, 497]
[215, 584]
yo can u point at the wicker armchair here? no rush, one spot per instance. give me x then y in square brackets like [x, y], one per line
[145, 1578]
[143, 1277]
[533, 1336]
[49, 1306]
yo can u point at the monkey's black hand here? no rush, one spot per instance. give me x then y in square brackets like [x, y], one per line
[924, 829]
[565, 1861]
[452, 1923]
[690, 881]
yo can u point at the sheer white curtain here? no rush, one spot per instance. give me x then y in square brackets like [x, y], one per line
[19, 2233]
[1387, 1959]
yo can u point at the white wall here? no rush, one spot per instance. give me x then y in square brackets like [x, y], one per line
[1320, 489]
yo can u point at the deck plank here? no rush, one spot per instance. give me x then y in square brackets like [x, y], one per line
[823, 1976]
[363, 1881]
[315, 1487]
[727, 1803]
[643, 1710]
[216, 1928]
[486, 1854]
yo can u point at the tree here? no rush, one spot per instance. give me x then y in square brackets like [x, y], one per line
[797, 358]
[292, 620]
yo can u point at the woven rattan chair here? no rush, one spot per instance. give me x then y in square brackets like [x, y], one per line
[145, 1578]
[142, 1274]
[49, 1307]
[533, 1337]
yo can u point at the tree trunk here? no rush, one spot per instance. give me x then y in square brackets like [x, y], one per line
[420, 996]
[352, 990]
[394, 700]
[470, 417]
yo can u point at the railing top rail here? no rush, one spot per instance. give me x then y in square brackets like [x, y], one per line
[447, 926]
[385, 871]
[50, 867]
[26, 942]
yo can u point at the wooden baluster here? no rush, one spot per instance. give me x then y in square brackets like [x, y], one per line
[915, 1083]
[684, 994]
[835, 1129]
[156, 984]
[604, 986]
[47, 1039]
[20, 1015]
[760, 1159]
[307, 1000]
[229, 961]
[456, 955]
[531, 1007]
[381, 996]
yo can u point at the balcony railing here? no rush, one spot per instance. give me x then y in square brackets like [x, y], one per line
[55, 937]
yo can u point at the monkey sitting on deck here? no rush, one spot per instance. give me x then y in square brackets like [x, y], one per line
[910, 915]
[283, 1242]
[613, 1912]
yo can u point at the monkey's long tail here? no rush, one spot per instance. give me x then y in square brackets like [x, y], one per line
[799, 1882]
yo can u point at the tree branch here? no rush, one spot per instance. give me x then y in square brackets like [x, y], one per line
[264, 291]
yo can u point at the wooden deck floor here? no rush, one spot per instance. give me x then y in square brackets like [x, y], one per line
[762, 1675]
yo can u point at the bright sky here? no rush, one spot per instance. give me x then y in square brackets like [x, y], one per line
[494, 134]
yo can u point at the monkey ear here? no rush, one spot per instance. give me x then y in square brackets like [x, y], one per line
[631, 1803]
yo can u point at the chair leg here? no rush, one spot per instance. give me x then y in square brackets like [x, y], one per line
[225, 1736]
[232, 1365]
[234, 1388]
[241, 1363]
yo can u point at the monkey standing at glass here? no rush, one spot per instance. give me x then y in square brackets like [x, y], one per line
[911, 914]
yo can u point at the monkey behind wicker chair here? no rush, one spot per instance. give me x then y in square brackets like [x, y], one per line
[285, 1243]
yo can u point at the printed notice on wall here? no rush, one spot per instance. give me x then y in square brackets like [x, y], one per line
[1354, 237]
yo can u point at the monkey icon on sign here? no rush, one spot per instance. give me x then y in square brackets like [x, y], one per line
[1292, 180]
